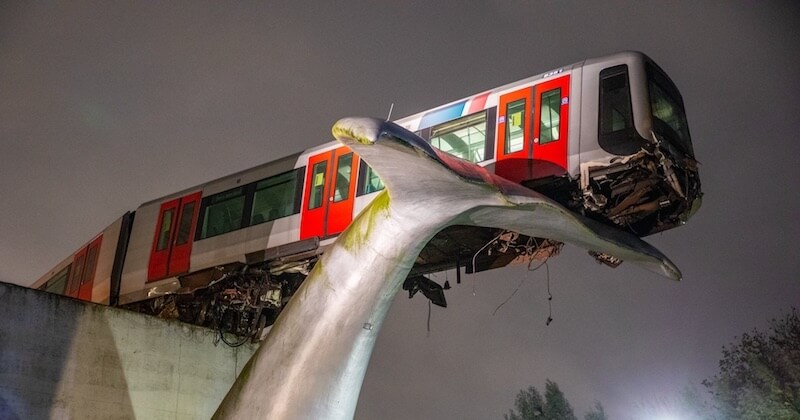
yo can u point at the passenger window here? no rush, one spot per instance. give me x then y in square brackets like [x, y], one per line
[58, 283]
[274, 198]
[185, 223]
[341, 189]
[550, 116]
[224, 213]
[515, 126]
[166, 226]
[464, 138]
[372, 182]
[317, 185]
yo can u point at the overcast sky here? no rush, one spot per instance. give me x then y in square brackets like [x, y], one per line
[104, 106]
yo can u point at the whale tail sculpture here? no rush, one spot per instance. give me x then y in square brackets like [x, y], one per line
[312, 363]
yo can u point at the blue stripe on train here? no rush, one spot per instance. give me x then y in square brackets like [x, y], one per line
[447, 113]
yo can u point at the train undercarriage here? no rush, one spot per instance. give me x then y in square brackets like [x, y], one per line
[240, 301]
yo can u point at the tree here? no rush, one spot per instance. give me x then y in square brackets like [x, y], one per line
[530, 405]
[759, 376]
[597, 413]
[556, 405]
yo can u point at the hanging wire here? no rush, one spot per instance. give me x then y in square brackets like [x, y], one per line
[512, 294]
[544, 262]
[429, 318]
[221, 335]
[549, 296]
[476, 256]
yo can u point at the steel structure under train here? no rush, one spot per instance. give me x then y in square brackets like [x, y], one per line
[606, 137]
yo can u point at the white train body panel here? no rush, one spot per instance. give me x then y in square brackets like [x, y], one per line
[93, 280]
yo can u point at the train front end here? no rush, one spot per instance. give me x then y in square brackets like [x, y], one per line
[641, 174]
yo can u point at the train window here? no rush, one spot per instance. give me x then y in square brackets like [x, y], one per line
[616, 133]
[164, 232]
[58, 283]
[667, 107]
[91, 264]
[515, 126]
[550, 116]
[344, 168]
[615, 101]
[185, 223]
[224, 213]
[317, 185]
[77, 274]
[369, 181]
[464, 137]
[274, 198]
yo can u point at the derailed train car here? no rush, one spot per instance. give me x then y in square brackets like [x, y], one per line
[605, 137]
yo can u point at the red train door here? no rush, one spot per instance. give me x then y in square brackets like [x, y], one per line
[81, 275]
[552, 125]
[76, 273]
[87, 281]
[513, 134]
[329, 193]
[172, 244]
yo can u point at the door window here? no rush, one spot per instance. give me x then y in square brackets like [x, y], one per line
[515, 126]
[317, 185]
[164, 233]
[77, 273]
[91, 264]
[550, 116]
[185, 224]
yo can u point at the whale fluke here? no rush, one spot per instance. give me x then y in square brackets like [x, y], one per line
[312, 363]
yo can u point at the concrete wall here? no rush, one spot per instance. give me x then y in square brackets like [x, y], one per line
[66, 359]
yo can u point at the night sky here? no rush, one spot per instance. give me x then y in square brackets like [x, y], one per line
[105, 106]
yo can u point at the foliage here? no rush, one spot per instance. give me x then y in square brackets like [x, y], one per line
[597, 413]
[759, 376]
[556, 405]
[531, 405]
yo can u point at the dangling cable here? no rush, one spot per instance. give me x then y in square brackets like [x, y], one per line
[229, 343]
[429, 318]
[549, 296]
[476, 256]
[525, 278]
[512, 293]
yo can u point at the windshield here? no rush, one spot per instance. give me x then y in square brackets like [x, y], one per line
[669, 117]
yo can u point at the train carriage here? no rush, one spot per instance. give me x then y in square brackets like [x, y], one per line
[606, 137]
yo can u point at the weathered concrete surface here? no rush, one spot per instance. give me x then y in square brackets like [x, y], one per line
[66, 359]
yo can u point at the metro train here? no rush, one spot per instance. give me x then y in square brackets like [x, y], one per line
[605, 137]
